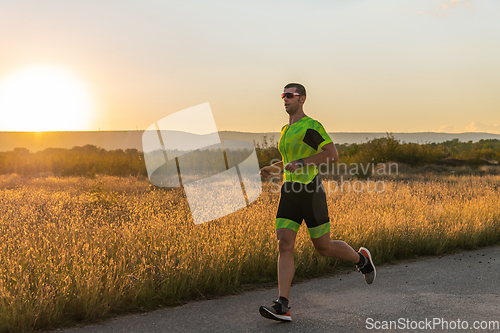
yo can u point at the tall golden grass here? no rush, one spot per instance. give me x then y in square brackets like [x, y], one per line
[78, 249]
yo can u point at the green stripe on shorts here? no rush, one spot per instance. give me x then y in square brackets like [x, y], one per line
[319, 230]
[286, 223]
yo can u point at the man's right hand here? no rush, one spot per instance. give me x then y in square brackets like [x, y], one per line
[268, 171]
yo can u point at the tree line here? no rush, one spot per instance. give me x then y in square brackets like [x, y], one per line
[390, 149]
[90, 160]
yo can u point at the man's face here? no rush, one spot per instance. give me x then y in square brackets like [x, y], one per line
[293, 104]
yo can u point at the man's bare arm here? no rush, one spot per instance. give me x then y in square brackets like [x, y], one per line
[272, 169]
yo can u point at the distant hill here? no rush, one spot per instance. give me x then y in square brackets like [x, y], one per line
[111, 140]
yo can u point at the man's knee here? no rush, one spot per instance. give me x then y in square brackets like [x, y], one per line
[286, 240]
[285, 245]
[323, 245]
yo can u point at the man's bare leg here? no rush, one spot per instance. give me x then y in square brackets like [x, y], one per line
[342, 250]
[337, 249]
[286, 268]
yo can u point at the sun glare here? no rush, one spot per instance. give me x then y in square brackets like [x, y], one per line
[43, 99]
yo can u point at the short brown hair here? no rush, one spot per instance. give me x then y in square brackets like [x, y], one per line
[298, 88]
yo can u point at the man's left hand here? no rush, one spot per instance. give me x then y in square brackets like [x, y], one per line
[293, 166]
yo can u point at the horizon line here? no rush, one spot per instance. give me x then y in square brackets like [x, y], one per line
[343, 132]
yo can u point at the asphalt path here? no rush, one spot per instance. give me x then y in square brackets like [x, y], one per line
[444, 294]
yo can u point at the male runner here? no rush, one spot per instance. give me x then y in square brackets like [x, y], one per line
[304, 145]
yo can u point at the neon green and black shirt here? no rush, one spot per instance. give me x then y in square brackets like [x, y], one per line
[300, 140]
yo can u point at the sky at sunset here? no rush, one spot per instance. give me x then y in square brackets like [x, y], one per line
[368, 66]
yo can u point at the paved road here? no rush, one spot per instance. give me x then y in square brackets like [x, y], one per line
[460, 289]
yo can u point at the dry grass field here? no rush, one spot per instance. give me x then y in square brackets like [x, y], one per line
[80, 249]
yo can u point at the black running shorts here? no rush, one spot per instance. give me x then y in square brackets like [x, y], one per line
[300, 202]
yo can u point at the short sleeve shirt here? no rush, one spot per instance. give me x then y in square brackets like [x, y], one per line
[302, 139]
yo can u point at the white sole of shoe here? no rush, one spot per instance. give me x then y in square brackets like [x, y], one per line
[270, 315]
[367, 254]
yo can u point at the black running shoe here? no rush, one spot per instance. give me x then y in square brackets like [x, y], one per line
[276, 312]
[368, 269]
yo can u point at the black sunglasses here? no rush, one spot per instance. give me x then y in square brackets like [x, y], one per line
[289, 94]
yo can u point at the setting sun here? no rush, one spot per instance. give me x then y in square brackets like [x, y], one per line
[43, 99]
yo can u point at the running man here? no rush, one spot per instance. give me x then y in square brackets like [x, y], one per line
[304, 145]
